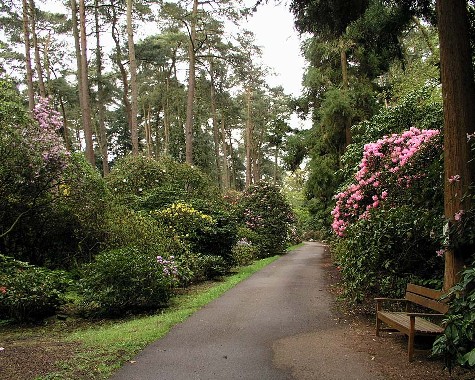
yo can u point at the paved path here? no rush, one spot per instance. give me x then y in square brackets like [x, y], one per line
[275, 325]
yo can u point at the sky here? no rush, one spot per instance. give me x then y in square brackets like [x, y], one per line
[273, 25]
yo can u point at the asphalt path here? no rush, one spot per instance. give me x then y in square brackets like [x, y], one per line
[275, 325]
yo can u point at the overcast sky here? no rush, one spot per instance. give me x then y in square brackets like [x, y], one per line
[273, 25]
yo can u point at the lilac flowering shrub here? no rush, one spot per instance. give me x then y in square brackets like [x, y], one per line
[33, 161]
[244, 252]
[267, 214]
[127, 280]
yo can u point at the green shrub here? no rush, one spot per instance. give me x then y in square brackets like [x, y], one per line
[127, 280]
[457, 344]
[212, 266]
[73, 228]
[148, 184]
[29, 293]
[186, 222]
[126, 227]
[132, 177]
[394, 246]
[208, 235]
[219, 240]
[244, 253]
[267, 214]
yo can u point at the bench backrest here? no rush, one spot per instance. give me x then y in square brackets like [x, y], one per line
[426, 297]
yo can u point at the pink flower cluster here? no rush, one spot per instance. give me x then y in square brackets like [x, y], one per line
[46, 139]
[380, 170]
[46, 116]
[169, 267]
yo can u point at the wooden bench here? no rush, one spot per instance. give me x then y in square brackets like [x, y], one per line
[409, 322]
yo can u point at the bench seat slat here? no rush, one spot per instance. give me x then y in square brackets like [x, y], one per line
[402, 321]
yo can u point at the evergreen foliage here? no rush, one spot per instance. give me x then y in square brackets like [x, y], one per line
[267, 214]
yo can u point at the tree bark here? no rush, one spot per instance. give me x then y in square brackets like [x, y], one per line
[29, 71]
[344, 85]
[101, 109]
[248, 141]
[67, 140]
[226, 179]
[214, 118]
[166, 117]
[133, 82]
[77, 46]
[458, 92]
[85, 107]
[147, 112]
[232, 169]
[191, 87]
[120, 65]
[39, 70]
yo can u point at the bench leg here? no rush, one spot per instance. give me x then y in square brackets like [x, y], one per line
[410, 343]
[378, 325]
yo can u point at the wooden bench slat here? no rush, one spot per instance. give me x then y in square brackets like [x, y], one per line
[426, 292]
[426, 302]
[401, 321]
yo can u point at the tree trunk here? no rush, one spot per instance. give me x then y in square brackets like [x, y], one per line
[29, 71]
[344, 86]
[101, 109]
[85, 107]
[248, 141]
[458, 92]
[226, 179]
[77, 46]
[39, 70]
[232, 171]
[147, 112]
[46, 63]
[67, 140]
[133, 82]
[120, 65]
[214, 117]
[191, 87]
[257, 152]
[166, 117]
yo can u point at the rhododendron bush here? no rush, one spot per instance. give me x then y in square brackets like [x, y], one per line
[388, 216]
[388, 168]
[33, 158]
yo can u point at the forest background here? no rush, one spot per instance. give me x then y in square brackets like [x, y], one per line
[162, 155]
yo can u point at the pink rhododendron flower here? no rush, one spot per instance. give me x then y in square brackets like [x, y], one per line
[383, 164]
[454, 178]
[458, 215]
[440, 252]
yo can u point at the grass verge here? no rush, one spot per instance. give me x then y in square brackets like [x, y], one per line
[103, 349]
